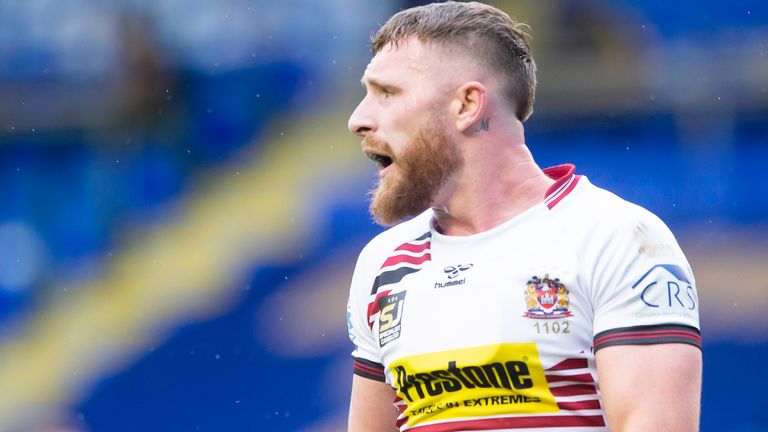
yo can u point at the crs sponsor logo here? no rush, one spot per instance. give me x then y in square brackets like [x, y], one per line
[390, 317]
[473, 382]
[666, 286]
[547, 298]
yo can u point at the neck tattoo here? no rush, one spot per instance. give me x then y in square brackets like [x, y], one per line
[484, 125]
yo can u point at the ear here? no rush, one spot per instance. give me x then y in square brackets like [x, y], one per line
[469, 105]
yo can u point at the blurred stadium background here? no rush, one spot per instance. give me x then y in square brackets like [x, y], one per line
[182, 205]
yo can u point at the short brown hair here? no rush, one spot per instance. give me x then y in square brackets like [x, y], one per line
[477, 28]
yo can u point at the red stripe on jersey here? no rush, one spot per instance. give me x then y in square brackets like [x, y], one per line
[580, 405]
[514, 423]
[574, 390]
[573, 363]
[373, 307]
[369, 369]
[414, 247]
[561, 174]
[652, 334]
[401, 421]
[564, 193]
[398, 259]
[583, 378]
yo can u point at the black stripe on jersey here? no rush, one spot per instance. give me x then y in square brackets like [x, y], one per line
[368, 369]
[395, 276]
[391, 277]
[427, 235]
[648, 335]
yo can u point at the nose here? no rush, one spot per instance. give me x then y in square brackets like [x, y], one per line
[361, 121]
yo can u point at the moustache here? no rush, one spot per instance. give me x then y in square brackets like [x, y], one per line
[378, 145]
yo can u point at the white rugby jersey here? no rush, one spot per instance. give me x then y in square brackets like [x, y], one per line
[497, 330]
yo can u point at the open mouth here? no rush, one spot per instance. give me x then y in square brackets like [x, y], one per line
[381, 160]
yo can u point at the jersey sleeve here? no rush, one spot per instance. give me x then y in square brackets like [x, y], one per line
[367, 362]
[643, 289]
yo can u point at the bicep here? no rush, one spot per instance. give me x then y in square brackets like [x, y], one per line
[371, 406]
[651, 387]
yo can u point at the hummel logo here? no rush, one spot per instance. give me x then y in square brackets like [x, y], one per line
[453, 271]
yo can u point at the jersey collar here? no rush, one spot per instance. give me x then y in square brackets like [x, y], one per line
[565, 181]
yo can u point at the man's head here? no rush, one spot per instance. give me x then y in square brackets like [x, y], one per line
[438, 74]
[480, 31]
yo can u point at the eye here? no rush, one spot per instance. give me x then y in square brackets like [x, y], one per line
[387, 93]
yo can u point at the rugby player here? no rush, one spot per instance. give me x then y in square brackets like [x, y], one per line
[505, 296]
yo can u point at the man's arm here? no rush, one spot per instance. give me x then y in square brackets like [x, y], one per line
[371, 408]
[651, 387]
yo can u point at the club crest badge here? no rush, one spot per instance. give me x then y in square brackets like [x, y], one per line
[547, 298]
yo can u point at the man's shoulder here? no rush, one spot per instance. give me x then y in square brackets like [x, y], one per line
[600, 210]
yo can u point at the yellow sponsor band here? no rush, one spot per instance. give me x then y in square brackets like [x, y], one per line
[473, 382]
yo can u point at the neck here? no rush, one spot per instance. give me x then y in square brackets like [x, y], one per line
[498, 181]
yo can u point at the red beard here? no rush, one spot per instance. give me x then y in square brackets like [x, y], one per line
[420, 171]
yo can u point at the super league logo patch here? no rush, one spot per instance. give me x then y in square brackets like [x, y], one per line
[547, 298]
[390, 317]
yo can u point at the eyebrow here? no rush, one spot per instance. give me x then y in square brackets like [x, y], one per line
[376, 84]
